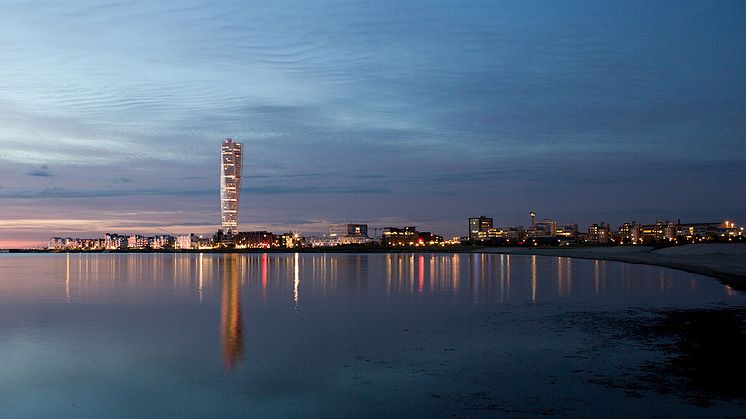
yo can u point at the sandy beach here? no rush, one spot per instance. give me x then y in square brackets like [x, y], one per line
[724, 261]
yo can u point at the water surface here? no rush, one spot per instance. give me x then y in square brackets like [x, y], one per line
[335, 335]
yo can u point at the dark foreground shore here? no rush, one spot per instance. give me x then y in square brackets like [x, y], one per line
[723, 261]
[699, 351]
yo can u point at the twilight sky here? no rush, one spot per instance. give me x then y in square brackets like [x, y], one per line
[386, 112]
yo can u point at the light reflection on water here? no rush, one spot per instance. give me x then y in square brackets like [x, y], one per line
[286, 325]
[231, 329]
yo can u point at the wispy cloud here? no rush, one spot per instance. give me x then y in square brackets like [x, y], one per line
[41, 171]
[57, 192]
[316, 189]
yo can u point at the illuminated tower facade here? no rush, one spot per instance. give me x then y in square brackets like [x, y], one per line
[231, 162]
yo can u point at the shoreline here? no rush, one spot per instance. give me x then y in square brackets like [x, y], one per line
[723, 261]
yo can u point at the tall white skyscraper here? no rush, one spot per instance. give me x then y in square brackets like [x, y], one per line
[231, 161]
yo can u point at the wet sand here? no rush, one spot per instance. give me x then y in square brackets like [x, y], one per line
[700, 351]
[724, 261]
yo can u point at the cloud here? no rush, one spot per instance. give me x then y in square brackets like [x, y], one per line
[58, 192]
[41, 171]
[314, 189]
[122, 179]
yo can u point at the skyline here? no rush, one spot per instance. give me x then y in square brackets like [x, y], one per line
[391, 114]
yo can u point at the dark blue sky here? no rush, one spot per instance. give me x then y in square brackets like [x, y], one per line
[386, 112]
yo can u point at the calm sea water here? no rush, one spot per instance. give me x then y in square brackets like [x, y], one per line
[330, 335]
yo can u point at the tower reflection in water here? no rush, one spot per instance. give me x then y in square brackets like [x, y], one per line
[231, 336]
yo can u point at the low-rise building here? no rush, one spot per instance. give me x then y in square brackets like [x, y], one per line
[137, 241]
[426, 238]
[661, 230]
[629, 233]
[723, 230]
[287, 240]
[254, 240]
[187, 242]
[599, 233]
[400, 236]
[567, 231]
[543, 228]
[162, 242]
[115, 241]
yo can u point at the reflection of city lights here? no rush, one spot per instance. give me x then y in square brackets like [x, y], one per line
[201, 273]
[296, 279]
[420, 273]
[67, 277]
[533, 279]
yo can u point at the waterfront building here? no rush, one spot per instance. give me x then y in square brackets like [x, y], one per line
[352, 240]
[498, 233]
[254, 240]
[70, 243]
[347, 234]
[231, 164]
[162, 242]
[115, 241]
[599, 233]
[426, 238]
[137, 241]
[323, 241]
[543, 228]
[516, 233]
[629, 233]
[187, 242]
[479, 227]
[348, 230]
[404, 236]
[723, 230]
[567, 231]
[204, 243]
[57, 243]
[661, 230]
[697, 230]
[499, 236]
[287, 240]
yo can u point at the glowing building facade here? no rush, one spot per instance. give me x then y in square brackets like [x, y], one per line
[479, 227]
[231, 162]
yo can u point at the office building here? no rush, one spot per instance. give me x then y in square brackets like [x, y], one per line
[348, 230]
[479, 228]
[347, 234]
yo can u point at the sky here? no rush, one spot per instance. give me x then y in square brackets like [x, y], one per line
[388, 113]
